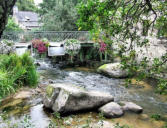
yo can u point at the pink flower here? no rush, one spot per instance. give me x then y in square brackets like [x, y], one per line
[42, 48]
[40, 45]
[103, 47]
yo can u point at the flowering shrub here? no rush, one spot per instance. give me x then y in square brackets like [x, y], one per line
[72, 47]
[40, 45]
[103, 47]
[7, 47]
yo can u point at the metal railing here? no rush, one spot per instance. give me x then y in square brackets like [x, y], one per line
[54, 36]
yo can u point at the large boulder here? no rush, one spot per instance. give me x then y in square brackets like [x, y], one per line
[64, 98]
[113, 70]
[111, 110]
[130, 106]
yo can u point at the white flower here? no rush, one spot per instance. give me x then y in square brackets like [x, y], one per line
[72, 46]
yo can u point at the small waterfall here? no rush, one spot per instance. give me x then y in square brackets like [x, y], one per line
[43, 64]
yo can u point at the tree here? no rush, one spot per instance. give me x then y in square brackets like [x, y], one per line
[122, 17]
[119, 22]
[6, 7]
[12, 26]
[59, 15]
[46, 6]
[26, 5]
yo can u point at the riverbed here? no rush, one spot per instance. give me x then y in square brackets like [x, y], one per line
[31, 108]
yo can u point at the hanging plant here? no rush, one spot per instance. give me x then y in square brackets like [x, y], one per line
[40, 46]
[7, 47]
[72, 47]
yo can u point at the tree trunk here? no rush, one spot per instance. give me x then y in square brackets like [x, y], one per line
[6, 7]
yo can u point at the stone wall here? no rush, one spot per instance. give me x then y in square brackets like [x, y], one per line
[154, 49]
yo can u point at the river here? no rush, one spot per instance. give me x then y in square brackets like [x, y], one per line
[144, 96]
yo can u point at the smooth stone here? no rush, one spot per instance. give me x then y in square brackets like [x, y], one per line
[130, 106]
[144, 117]
[50, 81]
[65, 98]
[113, 70]
[111, 109]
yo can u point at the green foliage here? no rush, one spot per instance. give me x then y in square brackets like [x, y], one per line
[56, 115]
[161, 24]
[46, 6]
[16, 71]
[8, 42]
[165, 126]
[59, 120]
[31, 76]
[7, 47]
[59, 15]
[52, 125]
[156, 116]
[12, 26]
[26, 5]
[72, 46]
[117, 24]
[5, 83]
[162, 86]
[24, 123]
[101, 118]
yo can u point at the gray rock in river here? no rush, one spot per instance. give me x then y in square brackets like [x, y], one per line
[130, 106]
[113, 70]
[111, 109]
[64, 98]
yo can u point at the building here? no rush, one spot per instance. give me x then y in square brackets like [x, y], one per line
[27, 20]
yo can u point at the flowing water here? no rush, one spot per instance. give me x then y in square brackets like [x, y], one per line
[144, 96]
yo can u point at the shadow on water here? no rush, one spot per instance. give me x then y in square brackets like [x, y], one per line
[87, 78]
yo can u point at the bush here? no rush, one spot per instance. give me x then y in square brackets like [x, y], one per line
[7, 47]
[16, 71]
[40, 45]
[72, 47]
[156, 116]
[12, 26]
[162, 86]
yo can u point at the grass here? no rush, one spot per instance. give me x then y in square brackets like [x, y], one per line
[156, 116]
[16, 71]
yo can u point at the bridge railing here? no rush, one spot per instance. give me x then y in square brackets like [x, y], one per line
[50, 35]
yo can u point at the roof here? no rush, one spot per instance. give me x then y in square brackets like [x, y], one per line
[30, 23]
[27, 16]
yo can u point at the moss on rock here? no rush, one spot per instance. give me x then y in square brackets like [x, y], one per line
[49, 91]
[101, 68]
